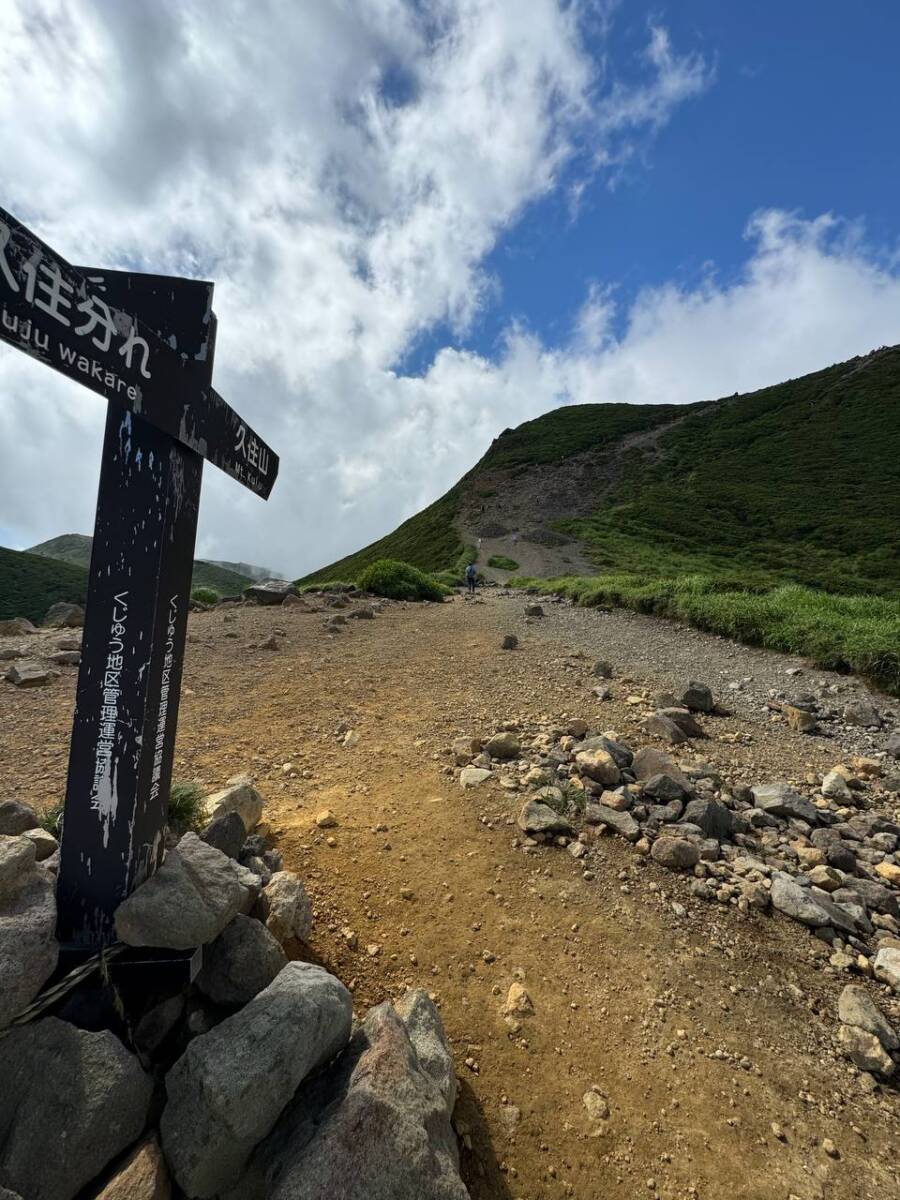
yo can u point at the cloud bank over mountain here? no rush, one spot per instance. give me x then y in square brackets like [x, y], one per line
[343, 172]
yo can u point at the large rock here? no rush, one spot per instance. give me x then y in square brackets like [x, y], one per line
[243, 960]
[229, 1087]
[188, 902]
[17, 855]
[28, 674]
[541, 818]
[622, 822]
[697, 697]
[862, 712]
[238, 796]
[16, 627]
[16, 817]
[285, 907]
[70, 1102]
[620, 753]
[809, 908]
[865, 1050]
[426, 1032]
[780, 800]
[470, 777]
[388, 1137]
[270, 591]
[678, 854]
[887, 967]
[28, 947]
[659, 725]
[227, 833]
[714, 819]
[598, 765]
[649, 762]
[503, 745]
[856, 1007]
[142, 1177]
[64, 616]
[685, 720]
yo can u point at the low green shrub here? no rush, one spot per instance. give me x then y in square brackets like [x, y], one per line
[400, 581]
[51, 819]
[500, 563]
[205, 595]
[332, 585]
[185, 807]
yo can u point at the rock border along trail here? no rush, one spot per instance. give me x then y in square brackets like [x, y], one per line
[676, 1048]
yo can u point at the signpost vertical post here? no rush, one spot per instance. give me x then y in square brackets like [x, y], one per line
[126, 707]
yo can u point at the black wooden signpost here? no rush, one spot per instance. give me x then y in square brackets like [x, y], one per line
[147, 344]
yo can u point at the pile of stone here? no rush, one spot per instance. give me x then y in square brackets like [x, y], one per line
[251, 1083]
[825, 857]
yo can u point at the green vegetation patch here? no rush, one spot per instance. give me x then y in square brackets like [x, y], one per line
[842, 633]
[205, 595]
[576, 428]
[794, 483]
[30, 584]
[500, 563]
[400, 581]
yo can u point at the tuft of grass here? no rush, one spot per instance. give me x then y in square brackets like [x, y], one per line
[501, 563]
[205, 595]
[51, 819]
[841, 633]
[185, 807]
[330, 585]
[400, 581]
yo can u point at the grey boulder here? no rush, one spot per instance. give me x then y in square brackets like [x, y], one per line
[541, 818]
[64, 616]
[28, 947]
[781, 800]
[678, 854]
[389, 1135]
[426, 1032]
[285, 907]
[17, 855]
[28, 674]
[865, 1050]
[856, 1007]
[714, 819]
[623, 823]
[187, 902]
[659, 725]
[240, 796]
[227, 833]
[228, 1089]
[649, 762]
[70, 1102]
[269, 591]
[808, 907]
[697, 697]
[16, 817]
[243, 960]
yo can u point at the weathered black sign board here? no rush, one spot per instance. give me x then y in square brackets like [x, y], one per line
[147, 344]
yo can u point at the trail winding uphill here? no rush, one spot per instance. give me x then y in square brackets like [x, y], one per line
[669, 1047]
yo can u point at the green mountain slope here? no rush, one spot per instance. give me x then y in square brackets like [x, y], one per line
[29, 584]
[76, 548]
[797, 483]
[32, 580]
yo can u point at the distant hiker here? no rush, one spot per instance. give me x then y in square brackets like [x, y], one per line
[479, 543]
[515, 538]
[471, 577]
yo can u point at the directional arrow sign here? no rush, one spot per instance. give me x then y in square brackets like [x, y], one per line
[53, 312]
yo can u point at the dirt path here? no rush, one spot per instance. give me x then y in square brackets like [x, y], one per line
[700, 1027]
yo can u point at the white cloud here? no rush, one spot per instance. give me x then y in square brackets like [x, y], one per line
[341, 171]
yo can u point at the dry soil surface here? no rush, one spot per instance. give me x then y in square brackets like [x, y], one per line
[710, 1035]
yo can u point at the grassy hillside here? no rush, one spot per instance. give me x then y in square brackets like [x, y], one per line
[795, 483]
[575, 429]
[75, 548]
[29, 584]
[428, 540]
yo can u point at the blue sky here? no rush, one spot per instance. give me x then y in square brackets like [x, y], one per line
[429, 220]
[801, 115]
